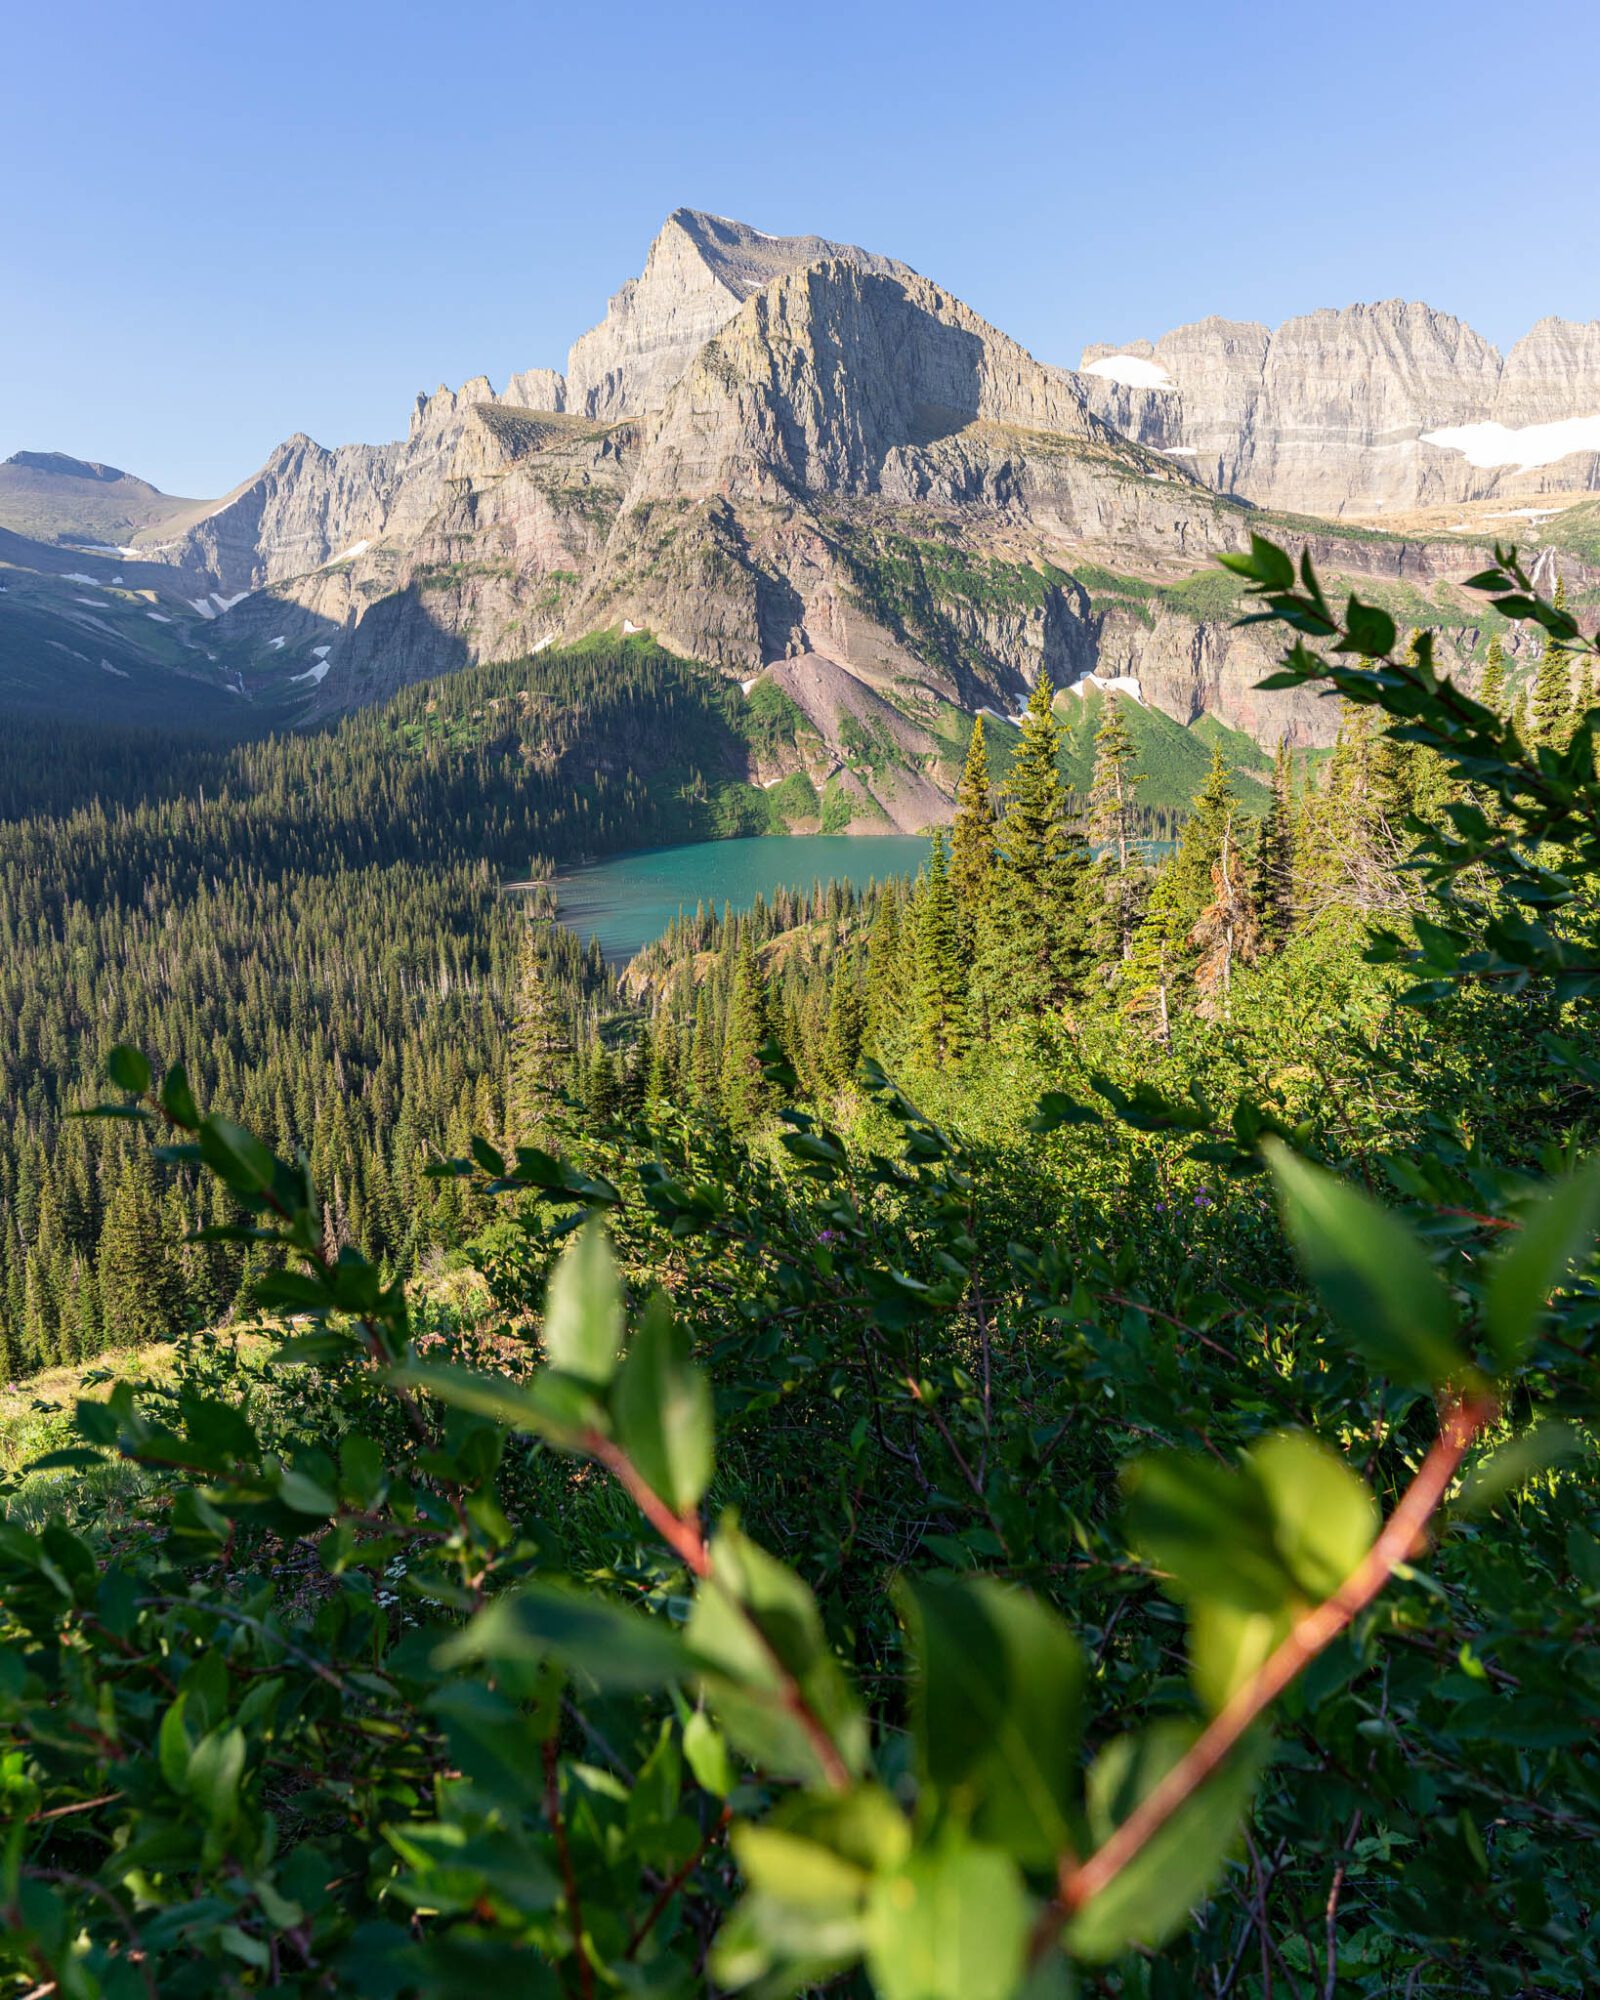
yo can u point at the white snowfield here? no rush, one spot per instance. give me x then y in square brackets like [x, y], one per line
[1133, 371]
[1111, 683]
[313, 674]
[278, 644]
[1488, 445]
[77, 576]
[94, 603]
[227, 603]
[347, 555]
[160, 617]
[548, 640]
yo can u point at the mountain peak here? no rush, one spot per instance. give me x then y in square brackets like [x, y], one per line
[60, 466]
[699, 270]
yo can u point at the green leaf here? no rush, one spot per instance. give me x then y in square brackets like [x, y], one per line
[554, 1407]
[1228, 1644]
[998, 1708]
[1368, 631]
[661, 1405]
[172, 1747]
[1150, 1899]
[1209, 1527]
[237, 1156]
[1266, 564]
[1324, 1516]
[129, 1070]
[1516, 1463]
[583, 1319]
[755, 1628]
[216, 1766]
[951, 1925]
[1371, 1272]
[705, 1750]
[306, 1495]
[178, 1099]
[615, 1647]
[1556, 1229]
[796, 1870]
[1056, 1109]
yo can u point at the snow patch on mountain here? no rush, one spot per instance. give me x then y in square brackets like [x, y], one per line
[1529, 446]
[1133, 371]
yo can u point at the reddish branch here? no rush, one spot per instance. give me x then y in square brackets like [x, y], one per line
[1399, 1538]
[569, 1880]
[683, 1534]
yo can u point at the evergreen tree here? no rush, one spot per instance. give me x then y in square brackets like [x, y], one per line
[940, 983]
[602, 1088]
[1492, 689]
[705, 1065]
[972, 842]
[1275, 857]
[846, 1023]
[137, 1282]
[1113, 783]
[1036, 939]
[746, 1094]
[1116, 895]
[887, 996]
[1552, 684]
[541, 1047]
[1156, 962]
[1583, 692]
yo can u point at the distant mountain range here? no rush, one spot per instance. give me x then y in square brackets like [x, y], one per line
[803, 463]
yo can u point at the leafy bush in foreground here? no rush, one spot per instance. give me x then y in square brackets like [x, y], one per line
[424, 1664]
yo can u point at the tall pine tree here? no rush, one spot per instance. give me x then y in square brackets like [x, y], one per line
[972, 842]
[1551, 710]
[541, 1046]
[940, 982]
[1274, 871]
[1037, 943]
[746, 1094]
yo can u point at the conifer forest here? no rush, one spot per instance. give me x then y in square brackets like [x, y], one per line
[1019, 1432]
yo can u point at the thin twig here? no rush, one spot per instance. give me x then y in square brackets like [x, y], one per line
[671, 1887]
[1311, 1634]
[569, 1880]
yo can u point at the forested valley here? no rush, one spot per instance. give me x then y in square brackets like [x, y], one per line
[1019, 1432]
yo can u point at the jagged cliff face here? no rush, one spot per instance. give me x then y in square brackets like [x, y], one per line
[700, 271]
[1370, 410]
[789, 458]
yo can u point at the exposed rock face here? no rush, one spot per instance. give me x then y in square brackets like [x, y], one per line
[700, 270]
[1342, 412]
[1551, 373]
[537, 389]
[837, 379]
[787, 457]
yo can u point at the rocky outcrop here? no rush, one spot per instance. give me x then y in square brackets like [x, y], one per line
[537, 389]
[1363, 411]
[700, 270]
[787, 457]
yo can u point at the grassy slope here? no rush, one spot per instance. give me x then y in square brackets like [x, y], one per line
[1172, 760]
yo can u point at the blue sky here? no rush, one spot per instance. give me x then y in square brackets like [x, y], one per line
[226, 223]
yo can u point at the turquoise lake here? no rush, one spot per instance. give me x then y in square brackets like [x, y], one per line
[631, 898]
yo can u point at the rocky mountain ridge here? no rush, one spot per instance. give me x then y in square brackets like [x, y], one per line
[1364, 411]
[806, 465]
